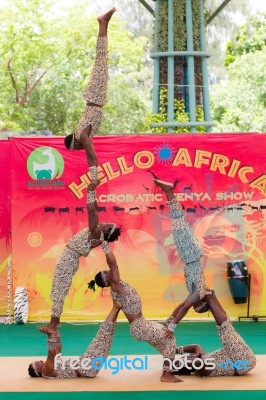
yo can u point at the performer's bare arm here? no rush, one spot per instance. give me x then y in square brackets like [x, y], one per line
[181, 310]
[115, 275]
[93, 218]
[87, 144]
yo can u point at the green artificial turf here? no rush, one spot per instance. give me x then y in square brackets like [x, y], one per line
[26, 340]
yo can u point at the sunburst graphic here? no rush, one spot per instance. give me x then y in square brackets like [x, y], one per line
[34, 239]
[164, 153]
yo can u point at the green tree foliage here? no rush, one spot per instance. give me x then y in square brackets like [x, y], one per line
[239, 104]
[251, 37]
[45, 60]
[219, 31]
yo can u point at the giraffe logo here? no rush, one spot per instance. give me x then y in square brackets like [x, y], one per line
[45, 163]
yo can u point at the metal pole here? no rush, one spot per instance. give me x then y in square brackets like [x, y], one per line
[147, 6]
[191, 67]
[170, 124]
[156, 78]
[171, 66]
[204, 67]
[219, 9]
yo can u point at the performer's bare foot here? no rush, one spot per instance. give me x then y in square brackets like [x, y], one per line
[165, 186]
[46, 330]
[168, 377]
[51, 327]
[105, 18]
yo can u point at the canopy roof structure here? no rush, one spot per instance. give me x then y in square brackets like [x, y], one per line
[211, 17]
[180, 63]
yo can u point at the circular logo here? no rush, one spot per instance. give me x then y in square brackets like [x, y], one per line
[45, 163]
[34, 239]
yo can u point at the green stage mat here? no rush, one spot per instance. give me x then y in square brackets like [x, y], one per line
[26, 340]
[195, 395]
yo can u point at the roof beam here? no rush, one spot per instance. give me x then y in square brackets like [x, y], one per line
[147, 6]
[219, 9]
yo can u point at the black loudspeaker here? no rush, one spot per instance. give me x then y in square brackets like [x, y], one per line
[238, 280]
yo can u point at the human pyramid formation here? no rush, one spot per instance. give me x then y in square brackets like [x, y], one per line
[124, 296]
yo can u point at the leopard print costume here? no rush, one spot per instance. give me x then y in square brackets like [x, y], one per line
[99, 348]
[66, 267]
[154, 333]
[95, 91]
[140, 328]
[130, 302]
[235, 348]
[188, 248]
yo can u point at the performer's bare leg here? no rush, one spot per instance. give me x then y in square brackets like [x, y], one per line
[104, 21]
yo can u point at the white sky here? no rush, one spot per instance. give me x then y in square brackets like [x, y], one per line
[259, 5]
[256, 5]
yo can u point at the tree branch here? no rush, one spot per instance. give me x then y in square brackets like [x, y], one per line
[29, 90]
[14, 83]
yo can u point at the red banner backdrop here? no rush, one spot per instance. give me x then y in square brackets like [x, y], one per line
[222, 188]
[5, 220]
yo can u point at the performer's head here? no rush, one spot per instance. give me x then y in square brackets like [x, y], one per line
[71, 143]
[183, 370]
[35, 369]
[201, 307]
[111, 231]
[102, 279]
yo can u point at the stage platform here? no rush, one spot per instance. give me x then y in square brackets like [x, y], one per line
[23, 344]
[125, 380]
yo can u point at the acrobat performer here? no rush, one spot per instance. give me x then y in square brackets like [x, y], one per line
[233, 359]
[187, 246]
[79, 245]
[158, 335]
[95, 94]
[99, 348]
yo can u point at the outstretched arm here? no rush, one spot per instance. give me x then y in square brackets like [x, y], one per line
[112, 264]
[89, 149]
[184, 307]
[54, 348]
[181, 310]
[92, 209]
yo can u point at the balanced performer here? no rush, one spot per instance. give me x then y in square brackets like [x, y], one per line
[95, 94]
